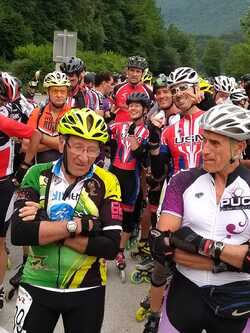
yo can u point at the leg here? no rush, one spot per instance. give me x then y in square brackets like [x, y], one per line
[87, 315]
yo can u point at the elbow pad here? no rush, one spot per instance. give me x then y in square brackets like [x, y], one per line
[246, 262]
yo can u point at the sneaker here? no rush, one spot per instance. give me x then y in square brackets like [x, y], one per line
[2, 298]
[120, 260]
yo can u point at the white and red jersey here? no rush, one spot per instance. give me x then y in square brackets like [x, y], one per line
[183, 140]
[123, 158]
[10, 128]
[121, 92]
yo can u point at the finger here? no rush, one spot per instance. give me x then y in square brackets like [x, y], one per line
[32, 203]
[29, 218]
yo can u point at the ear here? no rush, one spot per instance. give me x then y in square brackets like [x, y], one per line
[61, 143]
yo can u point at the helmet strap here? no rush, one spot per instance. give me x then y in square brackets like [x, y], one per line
[65, 157]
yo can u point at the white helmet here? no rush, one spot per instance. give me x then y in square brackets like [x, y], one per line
[238, 95]
[229, 120]
[183, 75]
[224, 84]
[56, 79]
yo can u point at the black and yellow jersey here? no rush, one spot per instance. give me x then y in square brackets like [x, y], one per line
[97, 193]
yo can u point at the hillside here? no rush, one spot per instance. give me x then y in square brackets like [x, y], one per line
[204, 17]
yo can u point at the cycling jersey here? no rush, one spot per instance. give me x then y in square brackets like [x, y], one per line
[183, 141]
[19, 110]
[98, 194]
[121, 92]
[191, 195]
[123, 157]
[10, 128]
[42, 119]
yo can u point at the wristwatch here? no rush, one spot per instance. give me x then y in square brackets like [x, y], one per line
[71, 227]
[217, 249]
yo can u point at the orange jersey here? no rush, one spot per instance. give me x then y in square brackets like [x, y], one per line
[42, 119]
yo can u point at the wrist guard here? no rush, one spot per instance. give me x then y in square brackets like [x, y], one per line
[91, 225]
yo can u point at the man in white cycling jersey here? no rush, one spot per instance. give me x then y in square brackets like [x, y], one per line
[204, 228]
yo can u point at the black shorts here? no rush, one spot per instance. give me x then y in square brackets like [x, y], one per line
[81, 311]
[130, 185]
[7, 189]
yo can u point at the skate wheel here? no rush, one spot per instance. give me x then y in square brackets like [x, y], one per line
[141, 314]
[136, 277]
[123, 275]
[147, 279]
[11, 294]
[8, 264]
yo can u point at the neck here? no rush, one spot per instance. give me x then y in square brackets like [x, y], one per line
[55, 109]
[222, 175]
[70, 178]
[139, 121]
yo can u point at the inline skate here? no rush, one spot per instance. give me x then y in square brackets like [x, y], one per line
[121, 265]
[143, 271]
[144, 309]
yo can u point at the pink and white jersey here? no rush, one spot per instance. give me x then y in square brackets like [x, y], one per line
[183, 140]
[123, 158]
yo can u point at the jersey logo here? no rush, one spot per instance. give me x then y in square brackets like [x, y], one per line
[236, 313]
[188, 139]
[199, 195]
[235, 203]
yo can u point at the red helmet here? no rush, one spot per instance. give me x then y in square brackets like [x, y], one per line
[9, 87]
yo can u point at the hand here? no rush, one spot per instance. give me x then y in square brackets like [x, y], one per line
[29, 211]
[158, 119]
[133, 142]
[91, 225]
[154, 137]
[160, 247]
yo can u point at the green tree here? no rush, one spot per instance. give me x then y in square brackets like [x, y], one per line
[14, 32]
[213, 57]
[238, 60]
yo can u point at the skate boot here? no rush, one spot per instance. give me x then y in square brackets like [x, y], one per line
[121, 265]
[143, 271]
[142, 251]
[144, 309]
[15, 281]
[152, 323]
[2, 298]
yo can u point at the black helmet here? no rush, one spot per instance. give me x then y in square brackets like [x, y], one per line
[73, 66]
[137, 62]
[138, 97]
[89, 77]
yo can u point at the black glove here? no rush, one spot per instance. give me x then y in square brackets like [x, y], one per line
[160, 248]
[131, 130]
[41, 215]
[186, 239]
[154, 137]
[91, 225]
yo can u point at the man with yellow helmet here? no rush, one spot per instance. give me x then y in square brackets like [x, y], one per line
[68, 212]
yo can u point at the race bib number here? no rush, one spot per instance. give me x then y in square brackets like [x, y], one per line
[23, 303]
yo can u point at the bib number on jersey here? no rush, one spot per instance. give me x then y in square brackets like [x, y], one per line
[23, 304]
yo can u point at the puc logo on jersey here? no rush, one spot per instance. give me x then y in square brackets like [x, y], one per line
[188, 138]
[235, 203]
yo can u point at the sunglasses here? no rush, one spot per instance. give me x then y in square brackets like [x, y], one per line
[182, 87]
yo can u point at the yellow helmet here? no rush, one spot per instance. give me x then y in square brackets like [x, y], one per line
[205, 86]
[84, 123]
